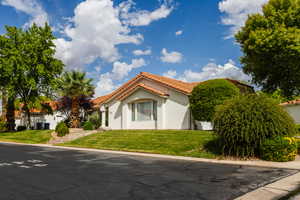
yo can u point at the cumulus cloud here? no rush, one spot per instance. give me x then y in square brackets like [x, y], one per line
[143, 17]
[213, 71]
[31, 8]
[99, 26]
[171, 57]
[237, 11]
[170, 74]
[107, 81]
[141, 52]
[94, 33]
[178, 32]
[121, 69]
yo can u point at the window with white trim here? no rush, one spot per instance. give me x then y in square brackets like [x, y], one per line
[144, 111]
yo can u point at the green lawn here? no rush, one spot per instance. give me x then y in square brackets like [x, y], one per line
[30, 136]
[181, 143]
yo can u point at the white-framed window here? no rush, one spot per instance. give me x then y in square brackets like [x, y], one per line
[144, 110]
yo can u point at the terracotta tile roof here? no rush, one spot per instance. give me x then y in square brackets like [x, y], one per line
[145, 87]
[98, 101]
[183, 87]
[294, 102]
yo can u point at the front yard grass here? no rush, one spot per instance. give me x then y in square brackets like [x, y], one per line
[171, 142]
[29, 137]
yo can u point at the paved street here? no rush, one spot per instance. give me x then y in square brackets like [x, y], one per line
[37, 173]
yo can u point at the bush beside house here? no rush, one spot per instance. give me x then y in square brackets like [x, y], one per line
[88, 126]
[245, 122]
[62, 129]
[207, 95]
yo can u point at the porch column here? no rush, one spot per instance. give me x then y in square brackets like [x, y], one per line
[102, 112]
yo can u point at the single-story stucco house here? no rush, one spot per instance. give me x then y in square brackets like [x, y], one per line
[293, 108]
[149, 101]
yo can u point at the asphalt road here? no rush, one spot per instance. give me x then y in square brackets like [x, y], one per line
[36, 173]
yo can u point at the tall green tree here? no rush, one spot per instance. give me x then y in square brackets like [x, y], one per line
[76, 86]
[28, 62]
[271, 45]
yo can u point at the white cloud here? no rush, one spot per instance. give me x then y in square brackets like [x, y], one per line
[237, 11]
[120, 70]
[141, 52]
[99, 26]
[171, 57]
[144, 17]
[214, 71]
[95, 32]
[105, 85]
[178, 32]
[31, 8]
[170, 74]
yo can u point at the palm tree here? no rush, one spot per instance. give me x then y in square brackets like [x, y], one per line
[75, 86]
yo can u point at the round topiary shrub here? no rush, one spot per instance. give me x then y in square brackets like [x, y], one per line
[244, 122]
[279, 149]
[61, 129]
[88, 126]
[207, 95]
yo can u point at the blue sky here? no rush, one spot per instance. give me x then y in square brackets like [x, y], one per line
[114, 40]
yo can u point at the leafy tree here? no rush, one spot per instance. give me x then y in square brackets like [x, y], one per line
[75, 86]
[28, 64]
[271, 45]
[207, 95]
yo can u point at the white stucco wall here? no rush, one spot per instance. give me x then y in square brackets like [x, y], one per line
[53, 120]
[140, 95]
[172, 112]
[177, 114]
[294, 111]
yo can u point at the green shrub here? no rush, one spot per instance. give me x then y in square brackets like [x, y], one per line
[207, 95]
[95, 119]
[298, 143]
[88, 126]
[298, 128]
[243, 123]
[279, 149]
[61, 129]
[21, 128]
[2, 126]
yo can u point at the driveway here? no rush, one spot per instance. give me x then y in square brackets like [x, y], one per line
[40, 173]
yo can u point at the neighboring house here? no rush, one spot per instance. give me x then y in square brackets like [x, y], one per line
[149, 101]
[41, 119]
[293, 108]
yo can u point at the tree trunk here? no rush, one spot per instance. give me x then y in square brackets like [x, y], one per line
[75, 122]
[28, 115]
[10, 114]
[4, 104]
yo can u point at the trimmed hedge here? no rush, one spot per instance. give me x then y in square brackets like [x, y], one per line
[243, 123]
[61, 129]
[207, 95]
[279, 149]
[88, 126]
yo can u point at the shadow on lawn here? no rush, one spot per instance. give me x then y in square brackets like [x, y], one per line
[214, 146]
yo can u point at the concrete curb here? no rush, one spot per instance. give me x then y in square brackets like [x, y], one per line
[254, 163]
[274, 190]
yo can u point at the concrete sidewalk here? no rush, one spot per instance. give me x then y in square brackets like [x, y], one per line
[275, 190]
